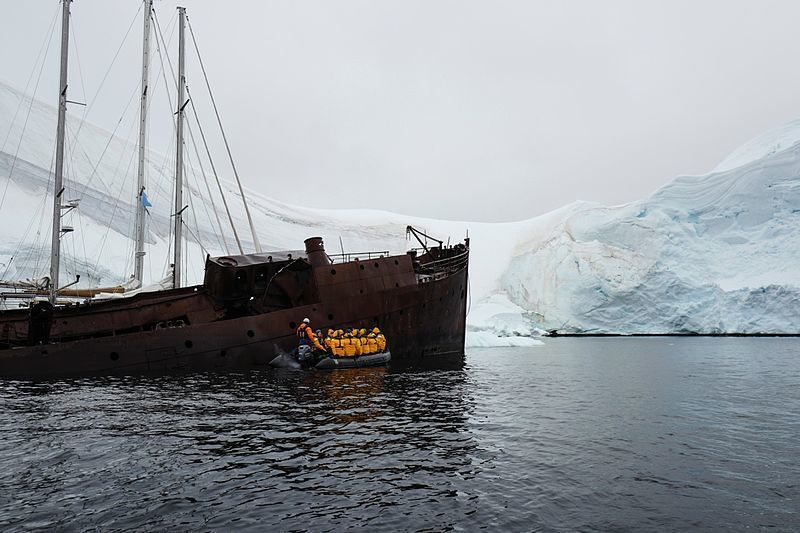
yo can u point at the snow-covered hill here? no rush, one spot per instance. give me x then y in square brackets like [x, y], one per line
[713, 253]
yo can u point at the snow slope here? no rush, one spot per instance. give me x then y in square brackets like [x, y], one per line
[713, 253]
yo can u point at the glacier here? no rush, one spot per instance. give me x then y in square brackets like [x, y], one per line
[714, 253]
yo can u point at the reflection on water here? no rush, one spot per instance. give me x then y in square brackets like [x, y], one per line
[591, 434]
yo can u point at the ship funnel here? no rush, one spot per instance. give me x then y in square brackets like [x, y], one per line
[315, 251]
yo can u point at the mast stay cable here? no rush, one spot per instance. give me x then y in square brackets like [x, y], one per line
[225, 139]
[221, 236]
[208, 152]
[214, 171]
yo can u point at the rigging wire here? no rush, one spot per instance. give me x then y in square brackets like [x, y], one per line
[221, 236]
[191, 136]
[45, 42]
[111, 138]
[27, 116]
[72, 33]
[68, 169]
[167, 157]
[161, 171]
[224, 138]
[42, 202]
[113, 214]
[90, 106]
[198, 241]
[119, 195]
[214, 171]
[40, 241]
[71, 181]
[205, 206]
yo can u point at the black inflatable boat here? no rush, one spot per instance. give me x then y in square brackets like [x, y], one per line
[286, 360]
[375, 359]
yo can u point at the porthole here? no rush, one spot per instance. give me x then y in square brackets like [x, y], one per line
[396, 262]
[292, 325]
[188, 344]
[223, 353]
[330, 316]
[251, 333]
[401, 311]
[361, 267]
[423, 305]
[376, 265]
[333, 272]
[360, 291]
[114, 356]
[396, 284]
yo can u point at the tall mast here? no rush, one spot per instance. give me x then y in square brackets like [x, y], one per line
[179, 153]
[58, 188]
[141, 214]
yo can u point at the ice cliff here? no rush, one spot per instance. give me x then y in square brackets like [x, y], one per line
[707, 254]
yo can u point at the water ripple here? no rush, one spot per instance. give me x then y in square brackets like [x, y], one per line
[582, 434]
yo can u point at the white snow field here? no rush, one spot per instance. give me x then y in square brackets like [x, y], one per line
[717, 253]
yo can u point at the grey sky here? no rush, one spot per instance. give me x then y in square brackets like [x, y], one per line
[478, 110]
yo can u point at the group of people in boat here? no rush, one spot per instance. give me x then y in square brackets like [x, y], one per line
[353, 342]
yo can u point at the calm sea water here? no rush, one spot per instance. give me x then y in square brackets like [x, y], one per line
[581, 434]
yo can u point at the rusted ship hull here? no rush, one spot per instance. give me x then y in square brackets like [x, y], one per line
[421, 313]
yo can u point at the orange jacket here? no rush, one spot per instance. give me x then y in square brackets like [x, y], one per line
[304, 332]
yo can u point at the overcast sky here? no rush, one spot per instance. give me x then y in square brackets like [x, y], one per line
[477, 110]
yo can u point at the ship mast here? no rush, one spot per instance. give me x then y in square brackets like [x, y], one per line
[176, 273]
[141, 213]
[58, 188]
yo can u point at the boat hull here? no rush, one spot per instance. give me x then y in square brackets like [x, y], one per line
[421, 322]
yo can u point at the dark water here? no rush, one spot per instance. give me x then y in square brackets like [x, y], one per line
[582, 434]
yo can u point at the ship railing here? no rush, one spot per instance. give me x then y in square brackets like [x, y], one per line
[353, 256]
[442, 268]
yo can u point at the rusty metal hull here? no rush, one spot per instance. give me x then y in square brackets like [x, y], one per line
[422, 317]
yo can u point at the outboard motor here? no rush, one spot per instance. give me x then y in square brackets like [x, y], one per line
[305, 355]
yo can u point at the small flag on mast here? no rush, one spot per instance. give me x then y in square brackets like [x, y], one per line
[145, 200]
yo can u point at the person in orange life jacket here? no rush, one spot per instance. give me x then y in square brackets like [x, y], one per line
[306, 337]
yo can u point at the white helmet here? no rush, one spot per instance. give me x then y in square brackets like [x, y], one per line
[307, 321]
